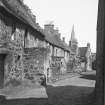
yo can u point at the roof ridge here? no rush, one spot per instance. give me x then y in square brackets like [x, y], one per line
[18, 9]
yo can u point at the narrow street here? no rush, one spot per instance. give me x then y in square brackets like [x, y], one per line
[76, 90]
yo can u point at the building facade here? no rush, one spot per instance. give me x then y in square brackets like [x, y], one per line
[80, 57]
[59, 54]
[85, 57]
[73, 44]
[26, 49]
[16, 29]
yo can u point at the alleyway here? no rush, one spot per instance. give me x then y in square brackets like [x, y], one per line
[70, 91]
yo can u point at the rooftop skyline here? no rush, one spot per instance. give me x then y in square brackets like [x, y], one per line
[65, 13]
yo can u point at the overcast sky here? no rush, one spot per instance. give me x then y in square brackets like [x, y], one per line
[65, 13]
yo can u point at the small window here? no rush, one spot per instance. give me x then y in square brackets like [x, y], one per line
[13, 31]
[13, 28]
[12, 37]
[56, 52]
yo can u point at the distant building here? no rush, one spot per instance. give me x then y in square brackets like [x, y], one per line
[73, 43]
[79, 55]
[84, 54]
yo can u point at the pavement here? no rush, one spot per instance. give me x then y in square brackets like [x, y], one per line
[31, 92]
[62, 77]
[70, 90]
[24, 92]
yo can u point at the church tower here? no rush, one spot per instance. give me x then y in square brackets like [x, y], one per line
[73, 44]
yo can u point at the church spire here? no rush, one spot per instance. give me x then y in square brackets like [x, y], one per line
[73, 34]
[73, 40]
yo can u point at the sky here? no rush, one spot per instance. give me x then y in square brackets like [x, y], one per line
[66, 13]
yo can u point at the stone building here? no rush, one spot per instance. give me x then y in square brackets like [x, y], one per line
[59, 51]
[85, 57]
[80, 57]
[73, 44]
[25, 48]
[17, 26]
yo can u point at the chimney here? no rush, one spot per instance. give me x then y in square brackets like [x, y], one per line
[63, 39]
[88, 45]
[49, 27]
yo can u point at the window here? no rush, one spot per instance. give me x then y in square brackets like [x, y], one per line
[12, 37]
[13, 31]
[13, 28]
[56, 52]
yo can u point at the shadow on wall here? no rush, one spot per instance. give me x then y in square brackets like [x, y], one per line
[60, 95]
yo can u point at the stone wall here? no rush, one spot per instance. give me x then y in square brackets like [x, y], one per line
[13, 68]
[57, 67]
[11, 43]
[34, 60]
[32, 39]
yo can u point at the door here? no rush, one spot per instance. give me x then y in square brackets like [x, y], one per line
[2, 59]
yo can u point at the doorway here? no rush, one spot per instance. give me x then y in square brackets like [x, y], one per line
[2, 61]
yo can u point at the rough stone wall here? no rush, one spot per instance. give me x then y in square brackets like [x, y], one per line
[70, 64]
[33, 61]
[32, 40]
[13, 68]
[57, 67]
[58, 52]
[12, 40]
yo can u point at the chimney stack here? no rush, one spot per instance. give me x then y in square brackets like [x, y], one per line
[63, 39]
[88, 45]
[49, 27]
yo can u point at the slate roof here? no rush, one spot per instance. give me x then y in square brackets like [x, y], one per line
[19, 10]
[82, 51]
[55, 40]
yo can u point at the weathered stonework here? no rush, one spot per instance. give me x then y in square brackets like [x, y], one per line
[57, 67]
[11, 44]
[34, 61]
[33, 40]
